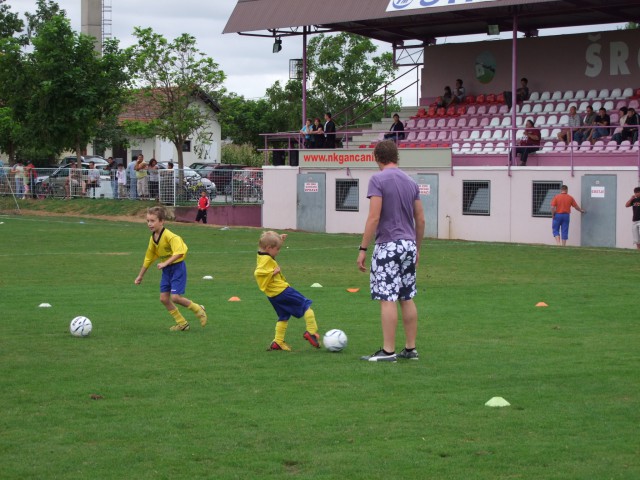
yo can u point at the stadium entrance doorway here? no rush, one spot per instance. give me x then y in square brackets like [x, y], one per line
[311, 211]
[598, 198]
[428, 185]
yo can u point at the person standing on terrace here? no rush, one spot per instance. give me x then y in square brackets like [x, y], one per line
[329, 131]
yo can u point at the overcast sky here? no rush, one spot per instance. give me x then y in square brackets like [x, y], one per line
[248, 62]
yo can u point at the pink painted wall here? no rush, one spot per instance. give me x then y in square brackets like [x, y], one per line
[236, 215]
[566, 62]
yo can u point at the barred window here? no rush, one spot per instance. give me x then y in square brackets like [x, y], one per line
[186, 146]
[476, 197]
[542, 194]
[347, 195]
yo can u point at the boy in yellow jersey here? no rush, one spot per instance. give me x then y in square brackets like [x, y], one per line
[286, 301]
[171, 250]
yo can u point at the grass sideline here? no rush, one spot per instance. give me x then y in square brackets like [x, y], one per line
[212, 403]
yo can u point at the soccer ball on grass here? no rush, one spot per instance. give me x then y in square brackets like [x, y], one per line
[335, 340]
[80, 327]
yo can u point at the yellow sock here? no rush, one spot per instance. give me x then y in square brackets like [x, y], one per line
[310, 320]
[177, 316]
[281, 330]
[194, 307]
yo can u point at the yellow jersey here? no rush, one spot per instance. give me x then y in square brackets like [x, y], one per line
[168, 244]
[269, 283]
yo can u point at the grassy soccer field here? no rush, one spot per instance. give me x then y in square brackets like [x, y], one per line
[212, 403]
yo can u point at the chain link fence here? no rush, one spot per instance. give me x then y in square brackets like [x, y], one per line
[168, 186]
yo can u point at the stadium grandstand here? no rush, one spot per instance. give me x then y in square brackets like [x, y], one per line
[474, 188]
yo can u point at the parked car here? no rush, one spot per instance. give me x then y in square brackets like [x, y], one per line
[97, 159]
[193, 183]
[220, 174]
[53, 185]
[200, 165]
[246, 185]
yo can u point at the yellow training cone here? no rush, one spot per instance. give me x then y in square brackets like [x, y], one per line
[541, 304]
[234, 299]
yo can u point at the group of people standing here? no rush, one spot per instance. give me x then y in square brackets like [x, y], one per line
[318, 135]
[143, 179]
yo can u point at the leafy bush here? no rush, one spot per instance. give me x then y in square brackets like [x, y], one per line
[244, 154]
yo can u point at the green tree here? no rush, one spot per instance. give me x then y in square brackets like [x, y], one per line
[173, 75]
[73, 89]
[345, 74]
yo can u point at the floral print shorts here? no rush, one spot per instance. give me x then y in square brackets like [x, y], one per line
[393, 271]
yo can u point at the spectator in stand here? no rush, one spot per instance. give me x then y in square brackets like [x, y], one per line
[587, 121]
[601, 123]
[529, 144]
[459, 93]
[568, 134]
[630, 130]
[396, 131]
[617, 133]
[317, 134]
[306, 131]
[446, 97]
[522, 93]
[329, 131]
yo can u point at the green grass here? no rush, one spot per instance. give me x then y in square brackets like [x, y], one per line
[212, 403]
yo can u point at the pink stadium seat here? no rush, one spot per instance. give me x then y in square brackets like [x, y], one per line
[443, 135]
[421, 123]
[560, 147]
[620, 104]
[484, 121]
[493, 110]
[412, 136]
[421, 136]
[634, 104]
[611, 147]
[461, 122]
[585, 147]
[598, 147]
[471, 110]
[473, 122]
[441, 123]
[636, 146]
[432, 136]
[411, 124]
[452, 122]
[431, 123]
[624, 147]
[482, 110]
[503, 110]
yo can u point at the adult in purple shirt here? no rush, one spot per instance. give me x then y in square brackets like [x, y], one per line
[396, 223]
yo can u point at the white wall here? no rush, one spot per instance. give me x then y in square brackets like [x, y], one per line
[511, 196]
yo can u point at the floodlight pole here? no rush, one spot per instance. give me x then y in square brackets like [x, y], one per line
[304, 75]
[514, 105]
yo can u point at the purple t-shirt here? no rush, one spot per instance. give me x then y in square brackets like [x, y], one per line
[399, 192]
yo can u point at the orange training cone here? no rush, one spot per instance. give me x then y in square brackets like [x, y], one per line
[353, 290]
[234, 299]
[541, 304]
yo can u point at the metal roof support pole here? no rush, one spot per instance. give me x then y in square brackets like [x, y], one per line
[304, 75]
[514, 105]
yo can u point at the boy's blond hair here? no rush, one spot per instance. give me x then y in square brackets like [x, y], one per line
[159, 212]
[270, 239]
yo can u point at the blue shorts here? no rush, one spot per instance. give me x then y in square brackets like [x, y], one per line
[290, 302]
[393, 271]
[174, 279]
[561, 222]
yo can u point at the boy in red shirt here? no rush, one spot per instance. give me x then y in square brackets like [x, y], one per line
[203, 205]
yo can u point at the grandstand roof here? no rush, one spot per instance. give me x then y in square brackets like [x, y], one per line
[370, 18]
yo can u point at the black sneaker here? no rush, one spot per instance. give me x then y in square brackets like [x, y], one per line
[380, 356]
[412, 355]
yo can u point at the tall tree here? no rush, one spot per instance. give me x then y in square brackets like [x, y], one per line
[74, 90]
[174, 74]
[345, 75]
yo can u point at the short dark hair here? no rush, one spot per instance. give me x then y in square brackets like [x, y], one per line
[524, 79]
[328, 114]
[386, 152]
[636, 190]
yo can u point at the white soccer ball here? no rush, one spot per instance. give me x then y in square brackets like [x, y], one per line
[80, 327]
[335, 340]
